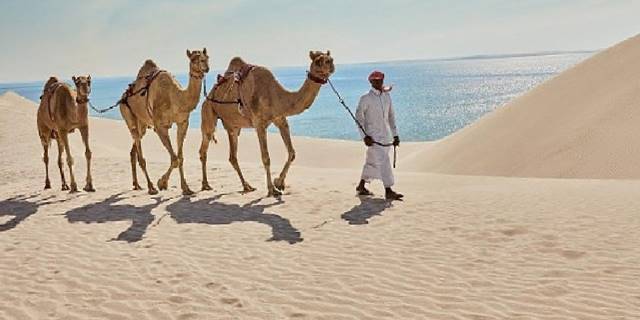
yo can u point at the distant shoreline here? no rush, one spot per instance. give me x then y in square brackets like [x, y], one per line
[400, 61]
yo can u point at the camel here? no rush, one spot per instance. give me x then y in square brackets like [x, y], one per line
[61, 111]
[260, 101]
[156, 100]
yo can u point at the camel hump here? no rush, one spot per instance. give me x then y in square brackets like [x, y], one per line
[147, 68]
[49, 84]
[236, 64]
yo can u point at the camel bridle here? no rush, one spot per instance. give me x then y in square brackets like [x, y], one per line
[316, 79]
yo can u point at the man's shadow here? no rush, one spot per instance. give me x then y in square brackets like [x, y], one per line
[21, 207]
[208, 211]
[368, 208]
[108, 211]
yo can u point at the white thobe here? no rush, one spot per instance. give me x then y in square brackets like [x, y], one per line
[375, 113]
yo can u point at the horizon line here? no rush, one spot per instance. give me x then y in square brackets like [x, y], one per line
[454, 58]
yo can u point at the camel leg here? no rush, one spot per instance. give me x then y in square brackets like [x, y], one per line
[134, 173]
[84, 131]
[283, 126]
[181, 135]
[266, 161]
[233, 158]
[209, 120]
[60, 152]
[163, 133]
[64, 138]
[133, 126]
[143, 165]
[46, 142]
[204, 147]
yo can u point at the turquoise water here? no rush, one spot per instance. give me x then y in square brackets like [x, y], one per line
[432, 98]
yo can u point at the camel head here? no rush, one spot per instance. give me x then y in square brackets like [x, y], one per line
[83, 85]
[322, 64]
[199, 64]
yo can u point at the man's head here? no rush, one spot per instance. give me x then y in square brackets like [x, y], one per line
[376, 78]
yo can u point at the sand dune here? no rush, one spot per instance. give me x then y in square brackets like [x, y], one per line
[581, 124]
[458, 247]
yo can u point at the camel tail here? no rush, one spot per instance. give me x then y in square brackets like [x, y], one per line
[213, 132]
[208, 121]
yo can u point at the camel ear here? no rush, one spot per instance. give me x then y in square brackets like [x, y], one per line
[313, 55]
[188, 53]
[75, 80]
[328, 52]
[204, 51]
[89, 77]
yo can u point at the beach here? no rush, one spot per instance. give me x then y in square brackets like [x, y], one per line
[477, 237]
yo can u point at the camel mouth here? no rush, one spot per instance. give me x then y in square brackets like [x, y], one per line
[324, 75]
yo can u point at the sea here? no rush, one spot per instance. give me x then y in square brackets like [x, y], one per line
[431, 98]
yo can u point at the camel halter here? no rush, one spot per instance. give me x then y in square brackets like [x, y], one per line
[316, 79]
[82, 99]
[341, 100]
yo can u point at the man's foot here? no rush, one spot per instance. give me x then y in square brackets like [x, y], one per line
[362, 191]
[392, 195]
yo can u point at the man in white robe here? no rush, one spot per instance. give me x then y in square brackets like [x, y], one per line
[375, 114]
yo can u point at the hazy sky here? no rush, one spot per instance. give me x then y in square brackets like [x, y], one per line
[113, 37]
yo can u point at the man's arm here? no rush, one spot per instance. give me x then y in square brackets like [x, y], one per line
[392, 119]
[362, 106]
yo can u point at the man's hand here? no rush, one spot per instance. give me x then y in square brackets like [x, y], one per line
[368, 141]
[396, 141]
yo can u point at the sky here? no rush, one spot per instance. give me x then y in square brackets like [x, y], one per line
[113, 37]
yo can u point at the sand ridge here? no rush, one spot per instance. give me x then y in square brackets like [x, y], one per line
[580, 124]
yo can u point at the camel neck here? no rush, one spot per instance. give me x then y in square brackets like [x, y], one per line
[299, 101]
[191, 95]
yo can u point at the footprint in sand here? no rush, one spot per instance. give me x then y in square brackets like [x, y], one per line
[187, 316]
[178, 299]
[234, 301]
[515, 231]
[571, 254]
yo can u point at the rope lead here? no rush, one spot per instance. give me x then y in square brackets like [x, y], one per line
[341, 100]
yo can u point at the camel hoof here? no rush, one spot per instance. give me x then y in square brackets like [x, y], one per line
[248, 188]
[47, 186]
[187, 192]
[274, 193]
[89, 188]
[206, 187]
[153, 191]
[279, 184]
[65, 187]
[163, 184]
[137, 188]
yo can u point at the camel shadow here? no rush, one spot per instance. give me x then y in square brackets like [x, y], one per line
[108, 211]
[208, 211]
[367, 209]
[21, 208]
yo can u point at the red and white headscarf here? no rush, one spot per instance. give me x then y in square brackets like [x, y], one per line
[376, 75]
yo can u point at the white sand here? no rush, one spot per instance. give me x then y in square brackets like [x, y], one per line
[459, 247]
[581, 124]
